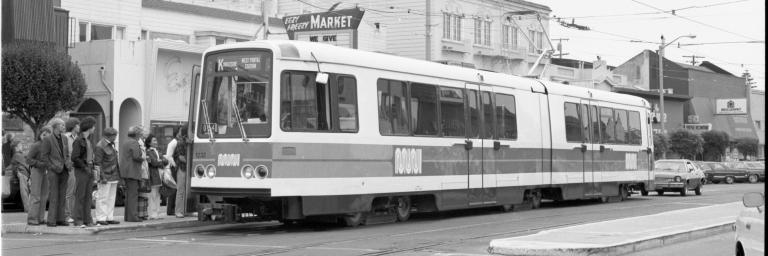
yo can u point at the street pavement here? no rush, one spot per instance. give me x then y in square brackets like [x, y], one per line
[466, 232]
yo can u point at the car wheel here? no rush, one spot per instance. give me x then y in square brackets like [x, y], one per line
[660, 192]
[684, 191]
[753, 178]
[698, 189]
[729, 180]
[643, 192]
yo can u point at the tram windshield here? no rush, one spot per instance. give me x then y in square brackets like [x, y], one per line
[235, 90]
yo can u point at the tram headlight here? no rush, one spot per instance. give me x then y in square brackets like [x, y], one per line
[199, 171]
[248, 171]
[210, 171]
[262, 171]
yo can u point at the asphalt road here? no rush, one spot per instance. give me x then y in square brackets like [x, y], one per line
[451, 233]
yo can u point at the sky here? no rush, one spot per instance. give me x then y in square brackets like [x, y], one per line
[614, 23]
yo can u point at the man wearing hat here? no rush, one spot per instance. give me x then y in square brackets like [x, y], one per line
[108, 175]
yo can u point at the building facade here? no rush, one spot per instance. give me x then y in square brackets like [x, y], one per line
[501, 35]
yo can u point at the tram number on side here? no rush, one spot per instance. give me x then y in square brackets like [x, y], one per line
[407, 161]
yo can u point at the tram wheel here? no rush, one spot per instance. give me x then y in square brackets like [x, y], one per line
[403, 208]
[623, 192]
[353, 219]
[535, 198]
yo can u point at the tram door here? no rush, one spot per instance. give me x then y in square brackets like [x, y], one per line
[481, 173]
[591, 133]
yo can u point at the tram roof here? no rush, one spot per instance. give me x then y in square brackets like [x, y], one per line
[325, 53]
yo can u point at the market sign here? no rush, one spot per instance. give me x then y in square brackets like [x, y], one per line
[348, 19]
[731, 106]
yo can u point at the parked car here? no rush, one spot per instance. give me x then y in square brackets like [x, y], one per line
[759, 168]
[717, 172]
[750, 226]
[755, 172]
[678, 175]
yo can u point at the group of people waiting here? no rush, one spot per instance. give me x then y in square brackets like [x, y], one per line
[62, 168]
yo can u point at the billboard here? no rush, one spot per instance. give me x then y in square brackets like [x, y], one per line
[731, 106]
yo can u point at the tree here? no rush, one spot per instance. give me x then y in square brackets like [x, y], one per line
[747, 146]
[39, 82]
[686, 144]
[660, 145]
[715, 143]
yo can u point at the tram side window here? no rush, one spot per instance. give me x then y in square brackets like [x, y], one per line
[635, 133]
[303, 103]
[452, 112]
[607, 125]
[620, 117]
[572, 123]
[585, 131]
[506, 117]
[488, 125]
[347, 103]
[424, 109]
[393, 108]
[595, 119]
[474, 114]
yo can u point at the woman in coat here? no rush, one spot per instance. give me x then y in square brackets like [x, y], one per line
[156, 163]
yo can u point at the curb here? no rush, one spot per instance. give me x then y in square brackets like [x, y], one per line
[24, 228]
[621, 249]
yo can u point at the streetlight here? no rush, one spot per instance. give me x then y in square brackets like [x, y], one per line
[661, 76]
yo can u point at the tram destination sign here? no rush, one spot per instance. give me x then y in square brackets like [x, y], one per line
[333, 20]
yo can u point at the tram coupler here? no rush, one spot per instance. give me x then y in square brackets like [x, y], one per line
[218, 212]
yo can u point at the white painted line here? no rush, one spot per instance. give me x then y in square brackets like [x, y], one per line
[344, 249]
[158, 240]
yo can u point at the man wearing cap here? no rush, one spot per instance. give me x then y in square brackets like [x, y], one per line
[108, 175]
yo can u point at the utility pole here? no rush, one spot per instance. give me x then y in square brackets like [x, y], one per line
[661, 80]
[428, 28]
[560, 47]
[693, 58]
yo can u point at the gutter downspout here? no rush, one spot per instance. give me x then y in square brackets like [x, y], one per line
[109, 90]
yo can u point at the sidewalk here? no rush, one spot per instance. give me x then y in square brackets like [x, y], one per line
[16, 222]
[622, 236]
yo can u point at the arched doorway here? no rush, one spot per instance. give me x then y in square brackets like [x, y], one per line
[92, 108]
[130, 115]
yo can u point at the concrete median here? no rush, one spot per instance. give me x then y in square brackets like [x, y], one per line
[622, 236]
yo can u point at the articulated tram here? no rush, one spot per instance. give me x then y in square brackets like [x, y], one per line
[292, 130]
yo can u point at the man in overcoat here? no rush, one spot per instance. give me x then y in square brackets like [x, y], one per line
[130, 161]
[54, 154]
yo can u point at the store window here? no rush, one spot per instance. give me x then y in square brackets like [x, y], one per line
[509, 35]
[451, 26]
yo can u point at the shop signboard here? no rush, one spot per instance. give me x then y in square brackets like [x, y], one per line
[731, 106]
[336, 27]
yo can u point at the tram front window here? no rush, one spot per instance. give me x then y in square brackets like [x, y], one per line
[235, 94]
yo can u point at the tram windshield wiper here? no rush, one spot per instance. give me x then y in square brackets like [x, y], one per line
[239, 121]
[207, 121]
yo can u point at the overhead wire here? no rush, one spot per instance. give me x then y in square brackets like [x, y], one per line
[695, 21]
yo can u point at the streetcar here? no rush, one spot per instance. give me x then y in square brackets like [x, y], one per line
[290, 131]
